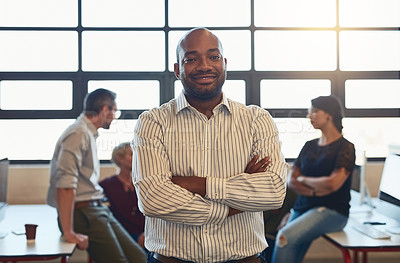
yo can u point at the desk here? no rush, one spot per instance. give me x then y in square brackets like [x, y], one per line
[350, 240]
[48, 244]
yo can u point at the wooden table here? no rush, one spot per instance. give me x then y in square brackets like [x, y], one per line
[350, 240]
[48, 244]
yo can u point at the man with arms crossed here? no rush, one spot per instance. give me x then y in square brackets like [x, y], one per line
[205, 167]
[74, 188]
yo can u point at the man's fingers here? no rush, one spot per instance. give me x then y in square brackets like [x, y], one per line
[253, 160]
[251, 164]
[258, 166]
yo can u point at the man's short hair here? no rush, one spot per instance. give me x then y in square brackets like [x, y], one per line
[97, 99]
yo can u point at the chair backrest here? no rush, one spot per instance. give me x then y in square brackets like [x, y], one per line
[3, 179]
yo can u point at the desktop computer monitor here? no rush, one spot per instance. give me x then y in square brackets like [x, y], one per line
[389, 188]
[389, 195]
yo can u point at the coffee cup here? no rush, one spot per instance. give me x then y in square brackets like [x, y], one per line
[30, 231]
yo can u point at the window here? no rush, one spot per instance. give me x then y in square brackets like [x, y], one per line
[280, 55]
[35, 94]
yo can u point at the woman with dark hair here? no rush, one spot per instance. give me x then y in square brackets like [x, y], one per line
[321, 177]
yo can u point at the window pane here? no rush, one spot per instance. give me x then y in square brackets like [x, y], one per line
[374, 135]
[123, 13]
[46, 134]
[369, 13]
[123, 51]
[293, 133]
[293, 93]
[131, 94]
[295, 13]
[209, 13]
[233, 89]
[29, 95]
[38, 51]
[372, 93]
[295, 50]
[369, 50]
[38, 13]
[236, 45]
[43, 135]
[120, 131]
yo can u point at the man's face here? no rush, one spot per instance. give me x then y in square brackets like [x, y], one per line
[201, 67]
[109, 114]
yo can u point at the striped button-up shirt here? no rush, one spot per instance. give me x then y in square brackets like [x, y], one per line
[177, 140]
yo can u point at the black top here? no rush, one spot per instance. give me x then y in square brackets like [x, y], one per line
[316, 161]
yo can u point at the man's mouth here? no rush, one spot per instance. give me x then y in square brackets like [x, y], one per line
[204, 79]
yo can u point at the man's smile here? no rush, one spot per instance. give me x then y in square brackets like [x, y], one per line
[204, 79]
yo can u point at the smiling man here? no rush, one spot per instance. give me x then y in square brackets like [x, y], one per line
[205, 167]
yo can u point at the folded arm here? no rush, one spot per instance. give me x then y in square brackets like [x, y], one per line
[197, 185]
[264, 189]
[317, 186]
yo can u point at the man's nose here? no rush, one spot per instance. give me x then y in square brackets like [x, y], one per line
[203, 65]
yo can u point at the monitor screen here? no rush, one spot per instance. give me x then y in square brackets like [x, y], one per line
[390, 180]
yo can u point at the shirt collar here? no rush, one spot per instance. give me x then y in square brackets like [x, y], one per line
[182, 103]
[89, 124]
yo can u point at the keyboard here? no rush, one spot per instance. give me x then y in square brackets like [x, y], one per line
[370, 231]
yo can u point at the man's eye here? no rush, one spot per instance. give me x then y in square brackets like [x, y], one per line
[217, 57]
[188, 60]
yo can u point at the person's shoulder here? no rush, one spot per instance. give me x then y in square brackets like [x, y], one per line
[74, 132]
[248, 109]
[346, 143]
[108, 180]
[158, 112]
[312, 143]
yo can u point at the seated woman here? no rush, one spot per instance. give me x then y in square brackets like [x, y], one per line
[321, 178]
[121, 193]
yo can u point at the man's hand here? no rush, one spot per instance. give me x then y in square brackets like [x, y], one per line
[80, 239]
[255, 166]
[141, 240]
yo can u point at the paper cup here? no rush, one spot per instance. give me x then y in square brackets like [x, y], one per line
[30, 231]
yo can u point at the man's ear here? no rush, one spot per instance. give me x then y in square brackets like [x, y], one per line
[176, 70]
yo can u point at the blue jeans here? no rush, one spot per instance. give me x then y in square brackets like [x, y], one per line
[294, 239]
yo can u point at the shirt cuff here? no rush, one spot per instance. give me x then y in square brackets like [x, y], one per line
[215, 189]
[218, 213]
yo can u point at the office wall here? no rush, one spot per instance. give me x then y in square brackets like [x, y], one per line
[27, 184]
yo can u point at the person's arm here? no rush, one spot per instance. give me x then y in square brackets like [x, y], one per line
[261, 191]
[197, 185]
[325, 185]
[296, 185]
[65, 206]
[70, 159]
